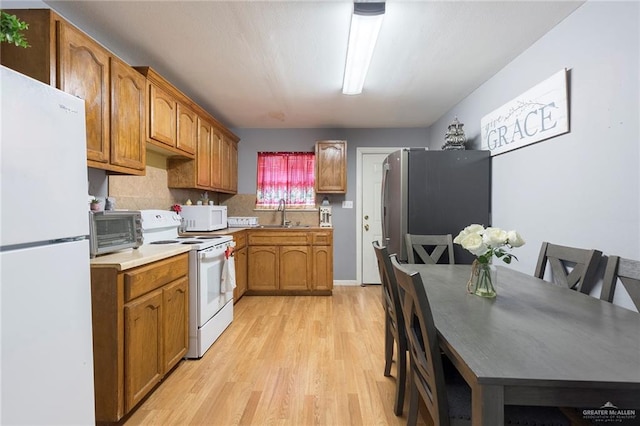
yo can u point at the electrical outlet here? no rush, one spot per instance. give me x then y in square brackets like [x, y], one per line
[347, 204]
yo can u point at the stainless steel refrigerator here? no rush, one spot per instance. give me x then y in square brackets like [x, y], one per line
[46, 364]
[434, 192]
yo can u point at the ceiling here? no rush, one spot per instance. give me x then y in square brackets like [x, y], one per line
[277, 64]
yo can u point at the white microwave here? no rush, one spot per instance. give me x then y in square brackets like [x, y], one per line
[204, 218]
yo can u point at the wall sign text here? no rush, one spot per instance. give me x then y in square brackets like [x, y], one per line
[540, 113]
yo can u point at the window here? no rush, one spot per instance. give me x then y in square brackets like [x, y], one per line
[286, 175]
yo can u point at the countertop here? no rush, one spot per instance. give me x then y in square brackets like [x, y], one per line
[230, 231]
[130, 258]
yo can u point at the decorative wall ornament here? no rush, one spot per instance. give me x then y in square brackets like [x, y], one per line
[454, 137]
[540, 113]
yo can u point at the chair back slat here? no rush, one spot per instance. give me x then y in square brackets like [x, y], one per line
[390, 289]
[627, 272]
[422, 339]
[438, 244]
[571, 267]
[394, 324]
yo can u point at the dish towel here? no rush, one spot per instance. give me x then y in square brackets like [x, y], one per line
[228, 279]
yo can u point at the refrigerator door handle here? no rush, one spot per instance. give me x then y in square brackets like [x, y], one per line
[385, 233]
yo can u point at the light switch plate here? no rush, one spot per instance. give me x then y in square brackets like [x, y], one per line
[347, 204]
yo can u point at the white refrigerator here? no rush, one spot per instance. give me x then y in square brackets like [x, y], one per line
[46, 355]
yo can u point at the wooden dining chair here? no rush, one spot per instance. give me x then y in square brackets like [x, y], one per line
[437, 244]
[626, 271]
[433, 378]
[584, 264]
[394, 326]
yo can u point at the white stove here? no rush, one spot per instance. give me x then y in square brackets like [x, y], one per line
[210, 308]
[161, 227]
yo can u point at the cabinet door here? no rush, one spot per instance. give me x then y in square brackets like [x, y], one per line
[203, 156]
[322, 267]
[217, 161]
[233, 168]
[143, 350]
[127, 116]
[162, 118]
[295, 268]
[331, 167]
[176, 321]
[263, 268]
[84, 72]
[226, 164]
[187, 129]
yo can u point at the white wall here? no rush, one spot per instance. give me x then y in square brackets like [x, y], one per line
[581, 189]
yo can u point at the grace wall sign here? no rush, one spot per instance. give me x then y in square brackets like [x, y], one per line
[540, 113]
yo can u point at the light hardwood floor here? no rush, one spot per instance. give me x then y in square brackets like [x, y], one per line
[286, 360]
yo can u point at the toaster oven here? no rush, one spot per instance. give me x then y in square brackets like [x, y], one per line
[114, 230]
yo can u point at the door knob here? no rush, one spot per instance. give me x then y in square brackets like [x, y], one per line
[366, 217]
[366, 227]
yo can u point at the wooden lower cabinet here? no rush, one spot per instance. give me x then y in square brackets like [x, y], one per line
[323, 268]
[295, 268]
[140, 331]
[240, 260]
[263, 268]
[290, 261]
[142, 349]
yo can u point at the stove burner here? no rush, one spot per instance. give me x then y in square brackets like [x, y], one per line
[190, 242]
[213, 237]
[164, 242]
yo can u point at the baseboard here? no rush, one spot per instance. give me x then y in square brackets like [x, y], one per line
[345, 283]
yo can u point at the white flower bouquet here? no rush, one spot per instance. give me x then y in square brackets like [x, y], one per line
[485, 243]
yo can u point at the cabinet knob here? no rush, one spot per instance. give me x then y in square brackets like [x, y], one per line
[366, 217]
[366, 227]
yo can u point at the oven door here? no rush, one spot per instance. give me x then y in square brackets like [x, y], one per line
[210, 300]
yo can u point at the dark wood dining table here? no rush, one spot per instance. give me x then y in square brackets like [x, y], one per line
[534, 344]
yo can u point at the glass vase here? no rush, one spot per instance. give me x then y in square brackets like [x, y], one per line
[483, 279]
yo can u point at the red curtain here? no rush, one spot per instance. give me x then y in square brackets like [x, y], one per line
[286, 175]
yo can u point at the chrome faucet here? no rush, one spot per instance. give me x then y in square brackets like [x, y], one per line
[282, 206]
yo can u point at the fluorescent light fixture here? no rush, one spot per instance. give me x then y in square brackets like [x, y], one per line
[365, 25]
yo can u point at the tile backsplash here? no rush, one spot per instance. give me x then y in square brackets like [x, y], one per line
[244, 205]
[150, 191]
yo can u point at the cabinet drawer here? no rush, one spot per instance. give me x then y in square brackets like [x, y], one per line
[240, 238]
[321, 238]
[278, 238]
[146, 278]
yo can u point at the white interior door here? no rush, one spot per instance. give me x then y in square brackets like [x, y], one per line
[371, 214]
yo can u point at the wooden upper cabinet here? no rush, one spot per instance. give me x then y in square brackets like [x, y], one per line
[224, 166]
[203, 156]
[84, 72]
[128, 90]
[331, 167]
[171, 124]
[233, 167]
[217, 161]
[163, 116]
[64, 57]
[187, 129]
[181, 129]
